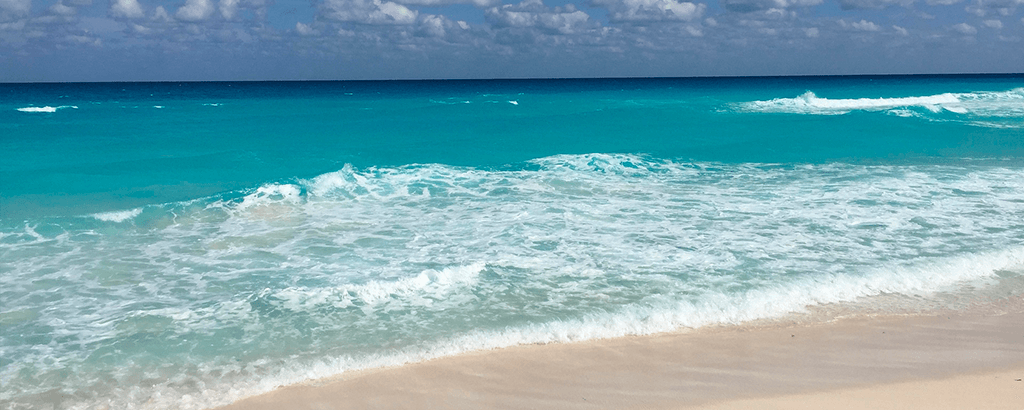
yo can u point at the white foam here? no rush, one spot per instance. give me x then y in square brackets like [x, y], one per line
[118, 216]
[809, 103]
[419, 290]
[383, 266]
[1000, 104]
[922, 277]
[272, 194]
[46, 108]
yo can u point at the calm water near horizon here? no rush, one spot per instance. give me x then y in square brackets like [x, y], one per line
[184, 245]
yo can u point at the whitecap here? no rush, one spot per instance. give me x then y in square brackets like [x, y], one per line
[1008, 103]
[118, 216]
[46, 109]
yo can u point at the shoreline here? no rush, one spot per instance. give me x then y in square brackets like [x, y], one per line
[755, 366]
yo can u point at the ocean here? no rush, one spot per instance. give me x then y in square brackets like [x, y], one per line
[185, 245]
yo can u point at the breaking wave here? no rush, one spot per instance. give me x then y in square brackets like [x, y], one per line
[46, 108]
[978, 106]
[373, 267]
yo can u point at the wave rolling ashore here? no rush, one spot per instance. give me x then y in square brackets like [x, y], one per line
[506, 243]
[956, 360]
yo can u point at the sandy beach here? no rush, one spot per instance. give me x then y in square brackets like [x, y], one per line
[949, 361]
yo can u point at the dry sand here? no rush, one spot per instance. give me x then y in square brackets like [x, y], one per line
[961, 361]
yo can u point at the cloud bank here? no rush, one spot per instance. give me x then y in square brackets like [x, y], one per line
[339, 39]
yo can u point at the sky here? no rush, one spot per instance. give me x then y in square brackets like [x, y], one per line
[184, 40]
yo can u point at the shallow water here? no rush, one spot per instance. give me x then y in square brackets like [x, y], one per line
[183, 245]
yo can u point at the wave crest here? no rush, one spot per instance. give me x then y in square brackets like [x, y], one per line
[991, 104]
[46, 108]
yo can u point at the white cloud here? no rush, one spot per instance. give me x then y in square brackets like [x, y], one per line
[15, 26]
[996, 24]
[126, 8]
[61, 10]
[872, 4]
[900, 30]
[195, 10]
[964, 28]
[228, 8]
[533, 13]
[942, 2]
[650, 10]
[811, 32]
[83, 40]
[862, 25]
[370, 12]
[981, 8]
[304, 29]
[10, 9]
[745, 6]
[998, 4]
[432, 26]
[478, 3]
[160, 14]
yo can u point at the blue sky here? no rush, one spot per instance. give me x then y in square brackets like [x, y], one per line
[141, 40]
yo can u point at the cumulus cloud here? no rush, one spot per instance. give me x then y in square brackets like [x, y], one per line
[228, 8]
[160, 14]
[746, 6]
[369, 12]
[533, 13]
[996, 24]
[650, 10]
[942, 2]
[438, 26]
[304, 29]
[195, 10]
[432, 26]
[964, 28]
[62, 10]
[811, 32]
[862, 25]
[126, 8]
[82, 40]
[478, 3]
[873, 4]
[900, 30]
[981, 8]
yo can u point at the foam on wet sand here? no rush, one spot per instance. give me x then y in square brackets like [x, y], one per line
[952, 360]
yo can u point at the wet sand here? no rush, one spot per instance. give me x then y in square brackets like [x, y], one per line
[956, 360]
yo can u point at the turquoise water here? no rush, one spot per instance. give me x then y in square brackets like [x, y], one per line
[182, 245]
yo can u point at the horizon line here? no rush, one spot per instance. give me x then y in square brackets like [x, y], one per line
[697, 77]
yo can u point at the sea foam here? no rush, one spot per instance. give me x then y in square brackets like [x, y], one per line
[45, 108]
[118, 216]
[1000, 104]
[377, 266]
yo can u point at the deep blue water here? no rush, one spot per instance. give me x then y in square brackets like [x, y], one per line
[181, 245]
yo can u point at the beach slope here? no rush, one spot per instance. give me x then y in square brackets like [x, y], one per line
[963, 360]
